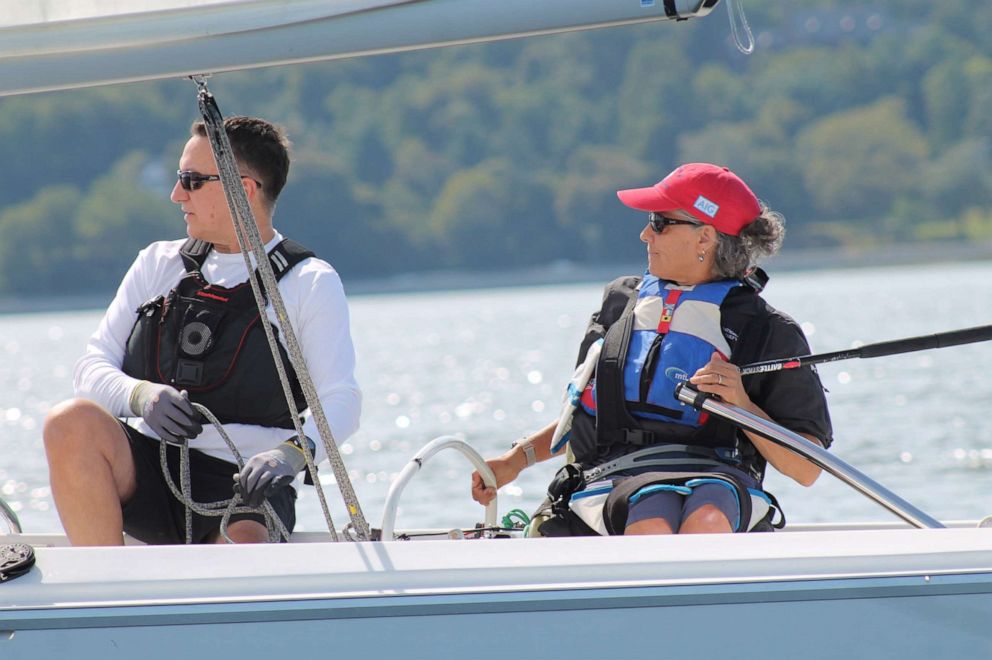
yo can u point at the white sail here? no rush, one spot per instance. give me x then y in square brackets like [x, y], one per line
[54, 44]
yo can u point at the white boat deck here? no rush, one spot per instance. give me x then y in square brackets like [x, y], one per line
[84, 577]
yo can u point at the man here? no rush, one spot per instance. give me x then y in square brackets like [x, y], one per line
[184, 328]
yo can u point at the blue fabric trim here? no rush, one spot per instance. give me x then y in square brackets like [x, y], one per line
[761, 494]
[591, 492]
[574, 394]
[563, 441]
[714, 292]
[654, 488]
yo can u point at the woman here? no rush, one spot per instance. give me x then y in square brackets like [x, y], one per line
[695, 315]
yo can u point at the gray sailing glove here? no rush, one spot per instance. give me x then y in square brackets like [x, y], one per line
[268, 471]
[167, 411]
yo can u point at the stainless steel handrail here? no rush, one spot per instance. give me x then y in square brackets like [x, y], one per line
[434, 446]
[9, 517]
[812, 452]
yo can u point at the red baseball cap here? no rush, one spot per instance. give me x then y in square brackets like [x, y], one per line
[709, 193]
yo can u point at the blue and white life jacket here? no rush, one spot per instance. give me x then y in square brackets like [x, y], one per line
[675, 331]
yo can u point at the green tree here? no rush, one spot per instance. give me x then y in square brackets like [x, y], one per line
[72, 137]
[856, 163]
[320, 209]
[597, 227]
[959, 179]
[119, 215]
[655, 100]
[827, 79]
[489, 216]
[978, 120]
[947, 96]
[38, 250]
[509, 153]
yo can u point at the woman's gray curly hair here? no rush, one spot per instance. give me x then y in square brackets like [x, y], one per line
[736, 256]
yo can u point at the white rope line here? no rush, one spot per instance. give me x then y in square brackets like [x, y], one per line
[739, 27]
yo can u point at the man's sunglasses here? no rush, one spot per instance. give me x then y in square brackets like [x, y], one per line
[658, 222]
[190, 180]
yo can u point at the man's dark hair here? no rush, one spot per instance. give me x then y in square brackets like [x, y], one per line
[260, 148]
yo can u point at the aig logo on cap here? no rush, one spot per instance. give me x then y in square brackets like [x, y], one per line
[706, 206]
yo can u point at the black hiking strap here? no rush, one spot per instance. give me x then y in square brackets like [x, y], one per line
[282, 257]
[670, 454]
[611, 413]
[194, 252]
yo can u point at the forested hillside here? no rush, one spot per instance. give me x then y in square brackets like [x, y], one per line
[865, 123]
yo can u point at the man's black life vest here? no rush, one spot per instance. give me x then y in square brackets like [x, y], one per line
[208, 340]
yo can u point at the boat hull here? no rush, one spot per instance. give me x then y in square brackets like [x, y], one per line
[871, 593]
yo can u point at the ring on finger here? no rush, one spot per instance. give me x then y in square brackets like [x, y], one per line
[719, 379]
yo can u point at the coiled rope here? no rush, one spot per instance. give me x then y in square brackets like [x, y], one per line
[224, 508]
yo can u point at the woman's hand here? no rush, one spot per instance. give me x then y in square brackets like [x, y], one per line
[508, 467]
[723, 379]
[504, 468]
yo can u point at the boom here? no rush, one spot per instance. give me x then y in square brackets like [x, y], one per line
[52, 44]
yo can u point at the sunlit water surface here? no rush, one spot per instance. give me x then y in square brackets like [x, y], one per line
[491, 365]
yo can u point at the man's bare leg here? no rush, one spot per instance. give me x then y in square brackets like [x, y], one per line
[648, 526]
[91, 471]
[245, 531]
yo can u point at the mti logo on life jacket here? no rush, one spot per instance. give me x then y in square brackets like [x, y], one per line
[676, 375]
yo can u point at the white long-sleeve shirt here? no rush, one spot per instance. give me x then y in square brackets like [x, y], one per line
[317, 309]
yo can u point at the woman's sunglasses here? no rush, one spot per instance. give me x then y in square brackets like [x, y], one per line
[658, 222]
[190, 180]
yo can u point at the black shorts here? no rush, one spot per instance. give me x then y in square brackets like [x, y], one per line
[154, 515]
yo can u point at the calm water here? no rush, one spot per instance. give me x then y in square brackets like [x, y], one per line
[491, 365]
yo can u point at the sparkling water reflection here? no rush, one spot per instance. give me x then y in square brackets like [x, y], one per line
[491, 364]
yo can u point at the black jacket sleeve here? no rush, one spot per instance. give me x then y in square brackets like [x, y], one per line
[793, 398]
